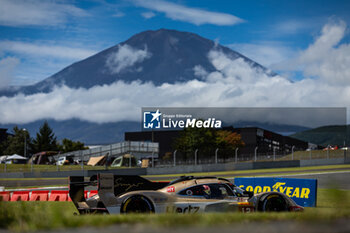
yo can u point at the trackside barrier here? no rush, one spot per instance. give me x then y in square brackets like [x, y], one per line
[5, 196]
[20, 196]
[302, 191]
[45, 195]
[39, 196]
[59, 195]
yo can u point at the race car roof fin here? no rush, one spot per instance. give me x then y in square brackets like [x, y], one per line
[224, 179]
[185, 178]
[128, 183]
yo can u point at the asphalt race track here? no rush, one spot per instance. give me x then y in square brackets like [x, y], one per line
[326, 179]
[12, 183]
[330, 179]
[339, 180]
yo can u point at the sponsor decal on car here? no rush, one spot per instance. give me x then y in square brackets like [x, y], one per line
[187, 209]
[170, 189]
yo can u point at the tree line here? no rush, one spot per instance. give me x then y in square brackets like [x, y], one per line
[206, 141]
[45, 140]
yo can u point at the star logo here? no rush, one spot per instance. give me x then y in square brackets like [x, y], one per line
[151, 120]
[156, 115]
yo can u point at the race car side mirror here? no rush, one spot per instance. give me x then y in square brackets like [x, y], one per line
[250, 194]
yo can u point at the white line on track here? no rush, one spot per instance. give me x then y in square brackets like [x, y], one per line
[271, 175]
[38, 188]
[297, 174]
[318, 173]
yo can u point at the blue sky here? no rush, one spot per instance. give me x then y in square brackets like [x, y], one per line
[38, 38]
[306, 42]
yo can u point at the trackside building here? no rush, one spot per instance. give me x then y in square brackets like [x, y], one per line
[266, 141]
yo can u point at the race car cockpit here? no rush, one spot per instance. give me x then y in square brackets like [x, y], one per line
[208, 191]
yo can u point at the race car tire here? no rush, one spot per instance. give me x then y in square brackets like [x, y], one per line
[137, 204]
[272, 202]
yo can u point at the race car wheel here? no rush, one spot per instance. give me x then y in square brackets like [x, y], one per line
[272, 202]
[137, 204]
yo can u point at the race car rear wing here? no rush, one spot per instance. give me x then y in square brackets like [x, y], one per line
[109, 186]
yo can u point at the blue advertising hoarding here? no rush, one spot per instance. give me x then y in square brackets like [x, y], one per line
[302, 191]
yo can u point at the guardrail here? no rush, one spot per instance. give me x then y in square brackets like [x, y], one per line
[306, 157]
[217, 158]
[138, 149]
[183, 169]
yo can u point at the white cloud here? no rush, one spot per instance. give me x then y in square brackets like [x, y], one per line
[37, 13]
[39, 50]
[293, 26]
[265, 53]
[148, 15]
[239, 86]
[192, 15]
[234, 83]
[330, 37]
[200, 72]
[326, 58]
[38, 54]
[233, 70]
[125, 57]
[7, 68]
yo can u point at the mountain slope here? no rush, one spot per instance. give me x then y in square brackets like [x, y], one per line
[326, 135]
[162, 56]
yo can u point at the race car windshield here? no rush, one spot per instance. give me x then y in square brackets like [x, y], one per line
[238, 191]
[209, 191]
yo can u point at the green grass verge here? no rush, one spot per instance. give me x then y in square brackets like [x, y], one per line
[315, 154]
[31, 216]
[237, 173]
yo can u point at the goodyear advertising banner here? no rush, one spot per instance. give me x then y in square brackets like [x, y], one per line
[302, 191]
